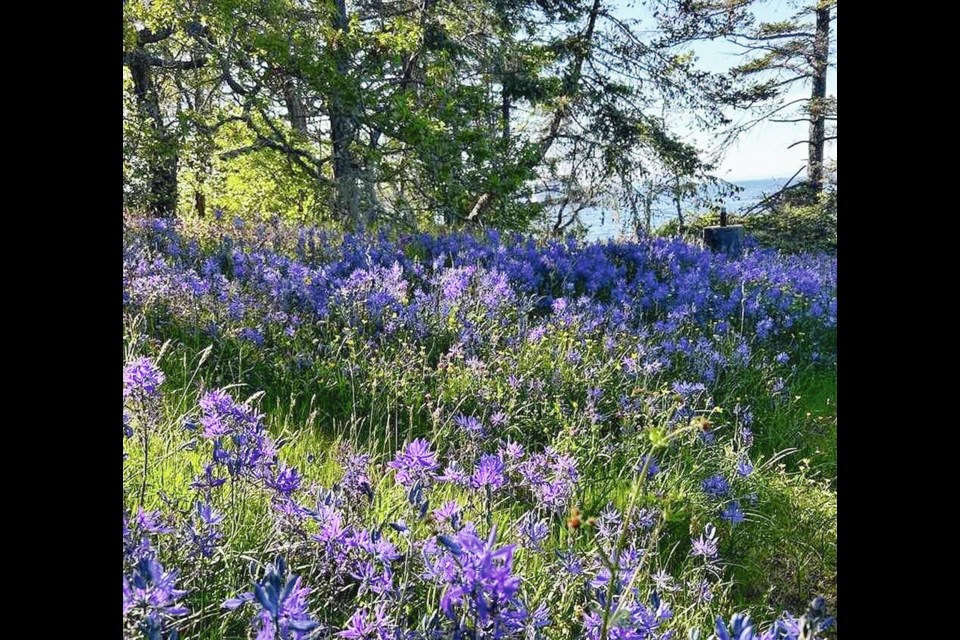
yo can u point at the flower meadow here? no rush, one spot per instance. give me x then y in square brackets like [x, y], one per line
[474, 436]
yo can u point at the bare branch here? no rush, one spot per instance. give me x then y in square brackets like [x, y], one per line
[775, 194]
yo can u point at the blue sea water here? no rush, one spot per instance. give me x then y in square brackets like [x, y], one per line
[603, 224]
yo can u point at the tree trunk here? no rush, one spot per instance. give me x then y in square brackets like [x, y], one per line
[676, 199]
[162, 159]
[505, 139]
[343, 128]
[369, 201]
[295, 109]
[818, 94]
[200, 203]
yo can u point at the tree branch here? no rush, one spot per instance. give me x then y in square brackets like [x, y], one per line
[157, 61]
[146, 36]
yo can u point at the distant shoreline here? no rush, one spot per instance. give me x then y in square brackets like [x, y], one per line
[665, 209]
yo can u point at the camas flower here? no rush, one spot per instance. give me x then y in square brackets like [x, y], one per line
[283, 605]
[222, 415]
[205, 530]
[366, 625]
[706, 545]
[356, 481]
[142, 379]
[634, 621]
[448, 512]
[454, 474]
[470, 424]
[150, 598]
[151, 522]
[688, 389]
[533, 531]
[417, 462]
[741, 628]
[733, 514]
[489, 473]
[482, 586]
[511, 451]
[716, 486]
[652, 469]
[287, 481]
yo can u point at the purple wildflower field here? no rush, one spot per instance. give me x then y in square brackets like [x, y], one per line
[474, 437]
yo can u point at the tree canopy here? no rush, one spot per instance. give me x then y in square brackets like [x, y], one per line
[419, 113]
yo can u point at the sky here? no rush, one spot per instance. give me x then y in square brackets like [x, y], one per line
[760, 153]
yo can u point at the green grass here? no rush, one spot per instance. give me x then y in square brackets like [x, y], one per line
[784, 553]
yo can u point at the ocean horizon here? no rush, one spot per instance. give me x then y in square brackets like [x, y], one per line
[605, 224]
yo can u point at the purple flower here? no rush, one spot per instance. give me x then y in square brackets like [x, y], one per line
[716, 486]
[702, 591]
[635, 620]
[570, 562]
[142, 379]
[364, 626]
[489, 473]
[534, 531]
[448, 512]
[512, 451]
[747, 436]
[652, 469]
[733, 513]
[688, 389]
[283, 605]
[221, 415]
[372, 578]
[663, 581]
[536, 334]
[608, 522]
[778, 386]
[205, 530]
[453, 474]
[150, 598]
[644, 518]
[417, 462]
[706, 545]
[251, 335]
[356, 481]
[744, 415]
[470, 424]
[551, 477]
[741, 628]
[208, 480]
[744, 468]
[287, 481]
[333, 529]
[482, 587]
[150, 522]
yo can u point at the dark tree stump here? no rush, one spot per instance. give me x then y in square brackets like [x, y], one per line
[728, 240]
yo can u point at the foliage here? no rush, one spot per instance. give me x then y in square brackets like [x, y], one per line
[409, 114]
